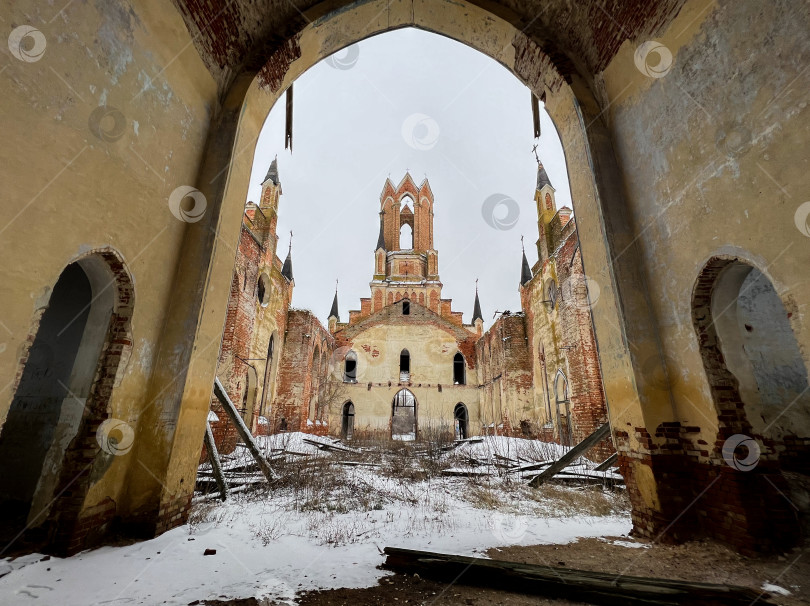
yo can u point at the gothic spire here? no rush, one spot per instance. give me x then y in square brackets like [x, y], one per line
[286, 270]
[477, 307]
[381, 237]
[272, 172]
[542, 177]
[525, 270]
[334, 310]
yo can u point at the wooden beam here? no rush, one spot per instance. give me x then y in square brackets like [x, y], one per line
[213, 457]
[567, 583]
[570, 456]
[243, 431]
[607, 463]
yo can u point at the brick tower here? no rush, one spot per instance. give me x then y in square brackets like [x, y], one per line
[413, 272]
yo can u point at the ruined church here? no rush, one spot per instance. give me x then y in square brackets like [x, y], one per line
[674, 301]
[406, 364]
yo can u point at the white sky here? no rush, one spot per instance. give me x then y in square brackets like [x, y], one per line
[348, 137]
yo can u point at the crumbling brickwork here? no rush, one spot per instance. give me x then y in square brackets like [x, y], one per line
[557, 303]
[256, 321]
[304, 375]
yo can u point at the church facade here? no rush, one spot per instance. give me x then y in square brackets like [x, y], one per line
[405, 364]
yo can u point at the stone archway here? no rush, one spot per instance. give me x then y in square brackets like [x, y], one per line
[594, 177]
[59, 433]
[758, 382]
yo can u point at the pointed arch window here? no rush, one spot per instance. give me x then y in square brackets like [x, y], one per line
[459, 375]
[350, 368]
[404, 366]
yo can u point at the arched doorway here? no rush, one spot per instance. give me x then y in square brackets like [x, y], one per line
[347, 426]
[403, 416]
[50, 439]
[563, 408]
[461, 423]
[759, 385]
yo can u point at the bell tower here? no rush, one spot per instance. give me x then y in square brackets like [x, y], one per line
[406, 273]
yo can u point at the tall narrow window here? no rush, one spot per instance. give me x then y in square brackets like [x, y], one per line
[405, 237]
[350, 368]
[347, 428]
[406, 308]
[458, 370]
[404, 366]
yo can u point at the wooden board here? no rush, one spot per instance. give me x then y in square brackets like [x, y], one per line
[567, 583]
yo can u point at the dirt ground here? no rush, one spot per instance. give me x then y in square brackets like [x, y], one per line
[697, 561]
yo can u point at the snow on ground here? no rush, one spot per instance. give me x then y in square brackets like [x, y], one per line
[323, 527]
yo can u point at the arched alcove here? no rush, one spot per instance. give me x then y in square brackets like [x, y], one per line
[51, 438]
[758, 383]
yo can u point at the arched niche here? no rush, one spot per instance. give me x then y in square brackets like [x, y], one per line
[60, 430]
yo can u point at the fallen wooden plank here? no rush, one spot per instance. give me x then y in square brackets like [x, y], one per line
[573, 454]
[607, 463]
[328, 446]
[242, 430]
[213, 458]
[567, 583]
[532, 466]
[467, 473]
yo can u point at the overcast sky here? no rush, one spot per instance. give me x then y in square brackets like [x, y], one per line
[408, 100]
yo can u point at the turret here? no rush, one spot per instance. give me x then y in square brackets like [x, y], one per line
[477, 318]
[286, 269]
[334, 315]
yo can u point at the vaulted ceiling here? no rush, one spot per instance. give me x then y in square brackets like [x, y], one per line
[577, 35]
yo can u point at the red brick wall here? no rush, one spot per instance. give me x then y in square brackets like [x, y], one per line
[307, 343]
